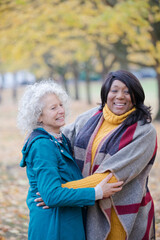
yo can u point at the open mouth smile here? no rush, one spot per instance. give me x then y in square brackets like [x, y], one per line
[120, 104]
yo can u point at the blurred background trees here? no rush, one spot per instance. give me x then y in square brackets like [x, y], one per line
[71, 40]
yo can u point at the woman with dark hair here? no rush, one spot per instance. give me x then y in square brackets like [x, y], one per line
[117, 137]
[136, 92]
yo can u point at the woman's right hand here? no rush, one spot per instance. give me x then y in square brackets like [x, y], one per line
[109, 189]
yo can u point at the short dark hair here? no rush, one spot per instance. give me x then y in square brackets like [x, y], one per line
[136, 92]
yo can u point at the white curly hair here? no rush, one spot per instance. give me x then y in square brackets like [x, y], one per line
[31, 104]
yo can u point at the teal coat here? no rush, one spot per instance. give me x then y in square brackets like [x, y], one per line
[48, 165]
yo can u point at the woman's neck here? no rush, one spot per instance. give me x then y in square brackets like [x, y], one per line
[113, 118]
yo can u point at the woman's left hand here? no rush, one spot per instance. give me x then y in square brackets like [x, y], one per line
[40, 202]
[110, 189]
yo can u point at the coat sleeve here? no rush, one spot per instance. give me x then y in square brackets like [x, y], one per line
[45, 166]
[135, 157]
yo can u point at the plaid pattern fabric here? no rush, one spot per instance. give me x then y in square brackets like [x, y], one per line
[128, 152]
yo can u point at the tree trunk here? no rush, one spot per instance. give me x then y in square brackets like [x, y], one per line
[1, 87]
[14, 87]
[88, 84]
[158, 113]
[64, 82]
[102, 59]
[76, 75]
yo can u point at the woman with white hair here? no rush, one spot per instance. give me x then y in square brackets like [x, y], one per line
[49, 163]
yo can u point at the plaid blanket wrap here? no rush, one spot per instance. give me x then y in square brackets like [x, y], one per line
[129, 153]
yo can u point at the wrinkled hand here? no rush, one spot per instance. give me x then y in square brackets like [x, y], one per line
[110, 188]
[41, 202]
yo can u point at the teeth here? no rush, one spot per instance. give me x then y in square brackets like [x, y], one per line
[119, 104]
[60, 118]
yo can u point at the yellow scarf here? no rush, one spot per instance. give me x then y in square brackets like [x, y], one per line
[114, 119]
[111, 121]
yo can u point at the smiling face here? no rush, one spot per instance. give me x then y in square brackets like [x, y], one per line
[119, 99]
[53, 114]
